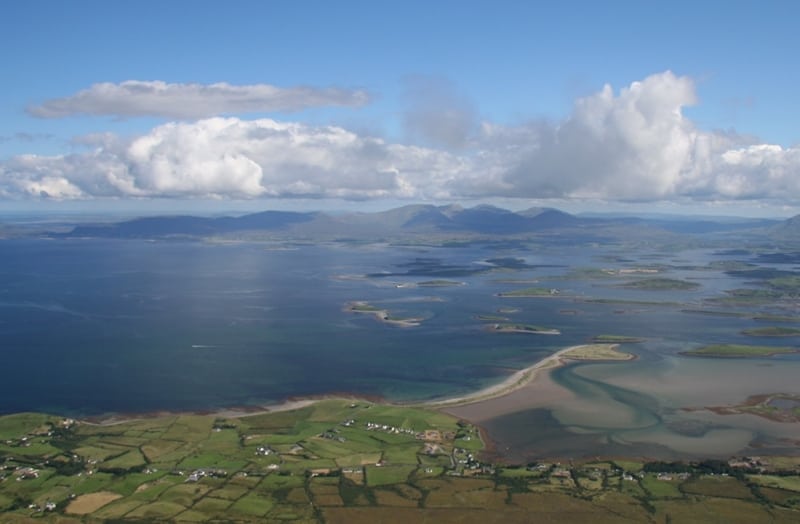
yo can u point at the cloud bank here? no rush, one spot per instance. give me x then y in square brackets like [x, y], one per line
[630, 145]
[190, 101]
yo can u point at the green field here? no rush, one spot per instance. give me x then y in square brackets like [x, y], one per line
[343, 461]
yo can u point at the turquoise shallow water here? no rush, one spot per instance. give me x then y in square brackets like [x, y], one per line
[97, 326]
[653, 408]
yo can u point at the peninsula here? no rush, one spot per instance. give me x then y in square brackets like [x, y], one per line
[519, 379]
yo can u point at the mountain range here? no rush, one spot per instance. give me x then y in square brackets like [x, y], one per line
[452, 220]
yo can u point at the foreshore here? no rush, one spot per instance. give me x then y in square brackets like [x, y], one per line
[514, 382]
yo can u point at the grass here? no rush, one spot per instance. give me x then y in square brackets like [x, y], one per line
[616, 339]
[738, 350]
[156, 449]
[597, 352]
[129, 483]
[253, 505]
[409, 484]
[772, 331]
[781, 482]
[440, 283]
[660, 488]
[661, 284]
[402, 454]
[156, 511]
[718, 486]
[525, 328]
[211, 505]
[384, 475]
[527, 292]
[714, 510]
[274, 481]
[491, 318]
[19, 425]
[116, 509]
[126, 461]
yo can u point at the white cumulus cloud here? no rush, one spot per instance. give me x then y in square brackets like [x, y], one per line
[634, 144]
[229, 157]
[156, 98]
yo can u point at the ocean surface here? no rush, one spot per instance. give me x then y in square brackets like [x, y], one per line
[89, 327]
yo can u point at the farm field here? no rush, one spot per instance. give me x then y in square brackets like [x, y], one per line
[349, 461]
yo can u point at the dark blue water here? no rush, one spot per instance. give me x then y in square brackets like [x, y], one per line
[96, 326]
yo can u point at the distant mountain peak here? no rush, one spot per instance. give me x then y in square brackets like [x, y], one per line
[533, 212]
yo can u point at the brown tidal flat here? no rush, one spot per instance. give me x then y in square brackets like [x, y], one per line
[506, 392]
[538, 393]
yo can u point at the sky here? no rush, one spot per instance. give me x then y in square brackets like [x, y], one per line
[617, 105]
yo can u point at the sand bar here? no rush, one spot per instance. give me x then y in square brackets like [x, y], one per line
[525, 376]
[516, 381]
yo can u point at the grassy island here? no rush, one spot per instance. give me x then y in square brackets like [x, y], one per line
[597, 352]
[661, 284]
[491, 318]
[738, 351]
[382, 315]
[525, 328]
[440, 283]
[772, 331]
[530, 292]
[363, 307]
[616, 339]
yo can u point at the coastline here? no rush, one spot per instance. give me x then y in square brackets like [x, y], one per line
[514, 382]
[381, 315]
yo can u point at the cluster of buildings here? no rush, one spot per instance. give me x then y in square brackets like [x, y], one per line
[197, 474]
[48, 506]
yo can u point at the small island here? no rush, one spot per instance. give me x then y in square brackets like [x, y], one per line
[525, 328]
[508, 310]
[661, 284]
[737, 351]
[616, 339]
[491, 318]
[779, 407]
[772, 331]
[597, 352]
[382, 315]
[441, 283]
[530, 292]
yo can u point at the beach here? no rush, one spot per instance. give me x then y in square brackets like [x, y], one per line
[527, 388]
[512, 394]
[514, 382]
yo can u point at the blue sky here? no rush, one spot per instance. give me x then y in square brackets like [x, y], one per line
[580, 105]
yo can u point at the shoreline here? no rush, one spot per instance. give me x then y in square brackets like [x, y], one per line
[381, 315]
[523, 377]
[512, 383]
